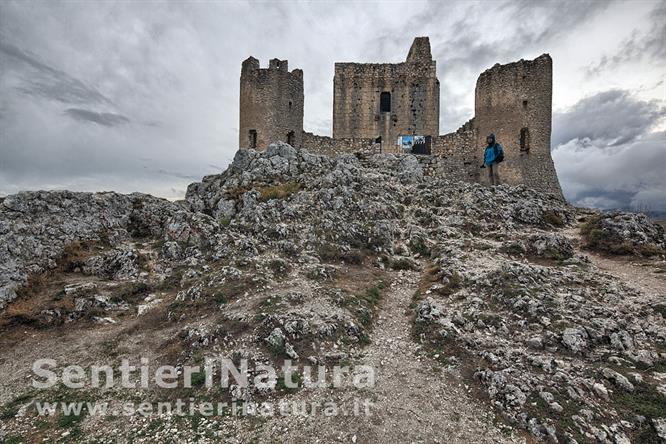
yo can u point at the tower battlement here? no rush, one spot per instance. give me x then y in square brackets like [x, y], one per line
[271, 104]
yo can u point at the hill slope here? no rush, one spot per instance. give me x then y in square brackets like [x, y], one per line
[488, 315]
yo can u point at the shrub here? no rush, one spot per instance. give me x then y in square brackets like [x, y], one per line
[333, 253]
[403, 264]
[552, 218]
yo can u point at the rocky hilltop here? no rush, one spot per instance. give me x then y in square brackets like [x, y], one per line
[490, 314]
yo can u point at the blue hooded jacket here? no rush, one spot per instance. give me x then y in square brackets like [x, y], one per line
[489, 154]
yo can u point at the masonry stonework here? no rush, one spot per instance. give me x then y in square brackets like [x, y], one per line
[514, 101]
[386, 100]
[271, 104]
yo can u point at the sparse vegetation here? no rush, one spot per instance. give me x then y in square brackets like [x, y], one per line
[280, 191]
[332, 253]
[602, 239]
[403, 263]
[552, 218]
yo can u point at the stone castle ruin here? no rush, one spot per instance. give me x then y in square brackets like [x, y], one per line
[394, 108]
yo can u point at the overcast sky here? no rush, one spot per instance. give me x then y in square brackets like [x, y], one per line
[143, 96]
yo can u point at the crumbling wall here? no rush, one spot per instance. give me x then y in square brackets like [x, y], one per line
[514, 102]
[271, 104]
[334, 147]
[460, 143]
[412, 88]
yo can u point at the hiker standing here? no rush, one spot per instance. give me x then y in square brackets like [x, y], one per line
[492, 156]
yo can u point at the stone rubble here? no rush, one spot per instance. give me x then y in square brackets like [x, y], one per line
[554, 343]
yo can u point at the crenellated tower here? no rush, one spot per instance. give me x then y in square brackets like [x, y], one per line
[271, 104]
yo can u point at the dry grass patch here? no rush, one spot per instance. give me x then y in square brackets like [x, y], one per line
[280, 191]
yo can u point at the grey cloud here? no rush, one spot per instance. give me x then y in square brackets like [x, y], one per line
[650, 44]
[626, 176]
[606, 155]
[174, 69]
[106, 119]
[178, 175]
[614, 117]
[48, 82]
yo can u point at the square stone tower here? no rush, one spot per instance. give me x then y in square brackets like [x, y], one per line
[514, 102]
[387, 99]
[271, 104]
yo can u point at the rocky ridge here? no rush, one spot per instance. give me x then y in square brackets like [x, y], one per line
[288, 254]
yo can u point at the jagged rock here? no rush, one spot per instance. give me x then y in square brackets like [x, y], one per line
[617, 379]
[550, 246]
[117, 264]
[575, 339]
[659, 425]
[266, 243]
[72, 289]
[601, 391]
[625, 233]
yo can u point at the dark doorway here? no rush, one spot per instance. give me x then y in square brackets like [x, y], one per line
[385, 102]
[291, 139]
[252, 136]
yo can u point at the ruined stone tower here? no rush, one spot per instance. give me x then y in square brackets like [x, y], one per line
[514, 101]
[387, 99]
[271, 104]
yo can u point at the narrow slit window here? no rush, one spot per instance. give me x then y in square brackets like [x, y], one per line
[291, 138]
[385, 102]
[252, 136]
[524, 139]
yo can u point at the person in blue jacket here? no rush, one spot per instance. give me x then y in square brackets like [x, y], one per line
[492, 156]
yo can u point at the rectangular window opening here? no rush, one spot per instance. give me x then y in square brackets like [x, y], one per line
[525, 139]
[385, 102]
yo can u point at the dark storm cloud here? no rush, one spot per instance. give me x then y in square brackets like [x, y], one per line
[106, 119]
[613, 117]
[606, 155]
[46, 81]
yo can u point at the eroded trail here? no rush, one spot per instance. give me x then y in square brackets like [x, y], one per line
[413, 399]
[647, 277]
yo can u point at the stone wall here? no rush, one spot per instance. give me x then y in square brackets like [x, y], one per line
[514, 101]
[451, 168]
[334, 147]
[271, 104]
[414, 97]
[461, 143]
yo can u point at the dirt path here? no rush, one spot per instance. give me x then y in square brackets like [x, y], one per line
[642, 275]
[413, 401]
